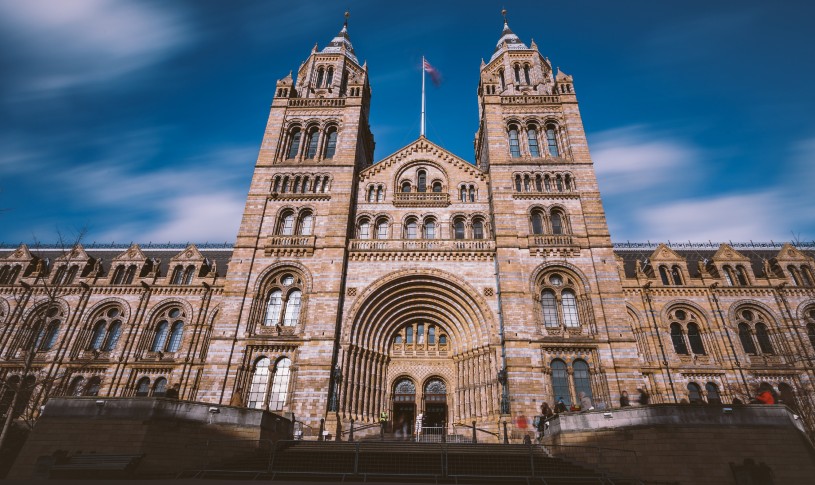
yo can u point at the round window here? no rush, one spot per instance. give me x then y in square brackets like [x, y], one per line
[812, 314]
[556, 280]
[680, 314]
[175, 312]
[747, 314]
[53, 312]
[113, 312]
[287, 280]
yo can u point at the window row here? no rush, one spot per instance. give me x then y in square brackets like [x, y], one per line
[9, 274]
[672, 276]
[424, 335]
[279, 375]
[376, 193]
[737, 277]
[80, 386]
[520, 74]
[301, 184]
[570, 390]
[157, 389]
[535, 138]
[291, 223]
[801, 275]
[308, 143]
[711, 391]
[324, 77]
[553, 221]
[548, 182]
[468, 193]
[427, 227]
[419, 184]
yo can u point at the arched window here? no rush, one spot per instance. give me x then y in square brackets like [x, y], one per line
[313, 141]
[806, 275]
[695, 339]
[274, 307]
[189, 274]
[538, 184]
[811, 334]
[178, 275]
[518, 187]
[162, 330]
[712, 391]
[58, 275]
[501, 78]
[582, 381]
[429, 230]
[49, 339]
[763, 337]
[409, 334]
[130, 274]
[76, 388]
[741, 274]
[280, 384]
[306, 224]
[4, 273]
[557, 223]
[320, 73]
[458, 227]
[560, 382]
[559, 182]
[514, 147]
[114, 332]
[329, 77]
[380, 194]
[677, 275]
[422, 176]
[330, 143]
[517, 74]
[547, 183]
[796, 278]
[463, 192]
[175, 336]
[160, 387]
[292, 315]
[411, 229]
[729, 276]
[526, 183]
[551, 141]
[746, 338]
[260, 384]
[431, 335]
[695, 393]
[478, 229]
[406, 186]
[537, 222]
[372, 194]
[287, 224]
[678, 339]
[663, 274]
[532, 136]
[118, 275]
[436, 186]
[98, 337]
[143, 387]
[570, 315]
[526, 74]
[72, 272]
[364, 229]
[382, 229]
[294, 143]
[549, 305]
[472, 194]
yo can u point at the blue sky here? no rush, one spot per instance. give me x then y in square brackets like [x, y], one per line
[141, 120]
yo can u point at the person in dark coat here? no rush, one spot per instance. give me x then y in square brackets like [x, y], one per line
[546, 411]
[560, 407]
[624, 402]
[644, 397]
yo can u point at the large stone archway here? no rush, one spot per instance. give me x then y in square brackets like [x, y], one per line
[421, 326]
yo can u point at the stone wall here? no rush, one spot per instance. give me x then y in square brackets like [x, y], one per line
[687, 443]
[172, 435]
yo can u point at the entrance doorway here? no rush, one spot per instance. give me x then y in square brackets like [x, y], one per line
[435, 404]
[404, 408]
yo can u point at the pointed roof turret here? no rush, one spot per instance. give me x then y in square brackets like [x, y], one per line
[341, 44]
[508, 40]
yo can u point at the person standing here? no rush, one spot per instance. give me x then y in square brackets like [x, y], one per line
[384, 417]
[624, 402]
[585, 402]
[419, 424]
[644, 398]
[560, 407]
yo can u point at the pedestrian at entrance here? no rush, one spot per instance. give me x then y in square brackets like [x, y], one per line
[383, 421]
[644, 397]
[560, 407]
[624, 402]
[419, 424]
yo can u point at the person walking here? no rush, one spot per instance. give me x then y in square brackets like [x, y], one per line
[384, 417]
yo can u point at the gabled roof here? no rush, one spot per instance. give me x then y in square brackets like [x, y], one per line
[22, 253]
[664, 253]
[422, 149]
[508, 41]
[191, 253]
[76, 254]
[727, 253]
[789, 252]
[133, 253]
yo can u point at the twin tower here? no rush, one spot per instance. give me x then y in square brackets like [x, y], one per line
[422, 283]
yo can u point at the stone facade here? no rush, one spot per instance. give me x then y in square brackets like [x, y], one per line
[418, 284]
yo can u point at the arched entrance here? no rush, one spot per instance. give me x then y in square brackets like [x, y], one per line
[404, 406]
[435, 404]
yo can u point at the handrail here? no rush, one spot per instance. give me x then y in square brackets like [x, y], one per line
[360, 428]
[470, 427]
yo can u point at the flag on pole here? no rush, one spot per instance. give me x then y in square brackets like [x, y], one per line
[435, 75]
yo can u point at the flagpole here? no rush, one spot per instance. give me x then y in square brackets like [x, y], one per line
[422, 122]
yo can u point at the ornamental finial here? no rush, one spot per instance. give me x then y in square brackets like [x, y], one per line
[504, 13]
[347, 14]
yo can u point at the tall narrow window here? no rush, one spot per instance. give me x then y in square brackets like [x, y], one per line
[294, 144]
[811, 334]
[517, 74]
[582, 380]
[365, 229]
[663, 274]
[420, 333]
[678, 339]
[98, 337]
[437, 186]
[532, 136]
[514, 147]
[189, 274]
[431, 335]
[570, 317]
[713, 396]
[677, 277]
[114, 332]
[557, 223]
[538, 185]
[741, 275]
[422, 181]
[458, 226]
[280, 384]
[526, 183]
[526, 74]
[796, 278]
[472, 194]
[763, 337]
[178, 275]
[551, 141]
[175, 337]
[380, 194]
[806, 276]
[560, 382]
[287, 227]
[559, 183]
[694, 393]
[143, 387]
[330, 144]
[329, 77]
[406, 187]
[746, 338]
[549, 304]
[537, 222]
[306, 225]
[273, 308]
[372, 194]
[408, 334]
[547, 183]
[313, 141]
[478, 229]
[382, 230]
[130, 274]
[463, 194]
[161, 336]
[517, 185]
[695, 339]
[410, 229]
[429, 230]
[160, 387]
[260, 384]
[320, 73]
[292, 308]
[501, 78]
[51, 335]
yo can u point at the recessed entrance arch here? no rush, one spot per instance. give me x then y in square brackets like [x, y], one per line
[430, 328]
[404, 405]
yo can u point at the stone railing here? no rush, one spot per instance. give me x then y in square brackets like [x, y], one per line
[552, 240]
[290, 244]
[422, 245]
[413, 199]
[317, 102]
[529, 99]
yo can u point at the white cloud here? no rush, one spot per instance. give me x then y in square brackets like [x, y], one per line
[61, 45]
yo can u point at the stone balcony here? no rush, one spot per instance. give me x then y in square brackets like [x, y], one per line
[553, 245]
[421, 199]
[290, 245]
[422, 245]
[316, 102]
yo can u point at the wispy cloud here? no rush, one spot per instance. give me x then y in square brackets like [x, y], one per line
[56, 46]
